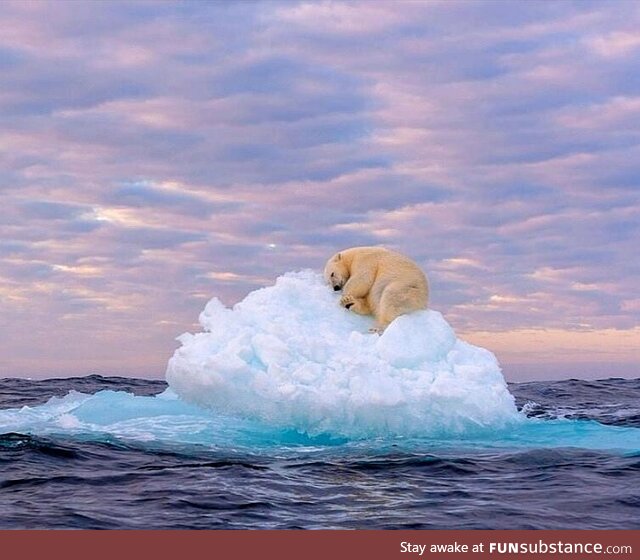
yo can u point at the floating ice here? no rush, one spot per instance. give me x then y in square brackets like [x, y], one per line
[290, 356]
[166, 422]
[163, 419]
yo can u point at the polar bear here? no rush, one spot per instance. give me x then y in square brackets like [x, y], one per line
[379, 282]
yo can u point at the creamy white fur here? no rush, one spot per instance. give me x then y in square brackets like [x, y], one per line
[379, 282]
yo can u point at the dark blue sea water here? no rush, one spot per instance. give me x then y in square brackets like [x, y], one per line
[144, 463]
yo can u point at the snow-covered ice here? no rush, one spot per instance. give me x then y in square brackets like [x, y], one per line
[289, 356]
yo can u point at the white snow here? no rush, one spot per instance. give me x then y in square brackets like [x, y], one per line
[289, 356]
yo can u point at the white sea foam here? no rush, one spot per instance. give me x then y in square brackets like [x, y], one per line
[289, 356]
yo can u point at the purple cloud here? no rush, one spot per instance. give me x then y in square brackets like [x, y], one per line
[158, 154]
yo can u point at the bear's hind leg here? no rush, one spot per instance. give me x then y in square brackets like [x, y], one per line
[397, 299]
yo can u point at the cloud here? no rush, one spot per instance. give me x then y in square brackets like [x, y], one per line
[162, 153]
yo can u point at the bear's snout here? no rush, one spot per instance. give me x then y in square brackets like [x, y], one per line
[336, 288]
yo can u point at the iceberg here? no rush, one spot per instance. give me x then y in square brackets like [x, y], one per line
[288, 356]
[289, 371]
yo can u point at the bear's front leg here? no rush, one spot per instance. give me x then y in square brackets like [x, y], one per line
[357, 305]
[359, 285]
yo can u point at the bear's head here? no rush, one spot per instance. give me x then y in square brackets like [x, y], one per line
[336, 272]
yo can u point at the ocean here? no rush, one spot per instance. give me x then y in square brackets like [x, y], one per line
[105, 453]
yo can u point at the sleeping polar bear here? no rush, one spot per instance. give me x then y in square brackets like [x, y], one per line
[378, 282]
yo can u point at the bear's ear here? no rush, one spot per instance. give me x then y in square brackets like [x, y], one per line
[338, 257]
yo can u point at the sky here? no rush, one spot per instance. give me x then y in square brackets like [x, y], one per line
[156, 154]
